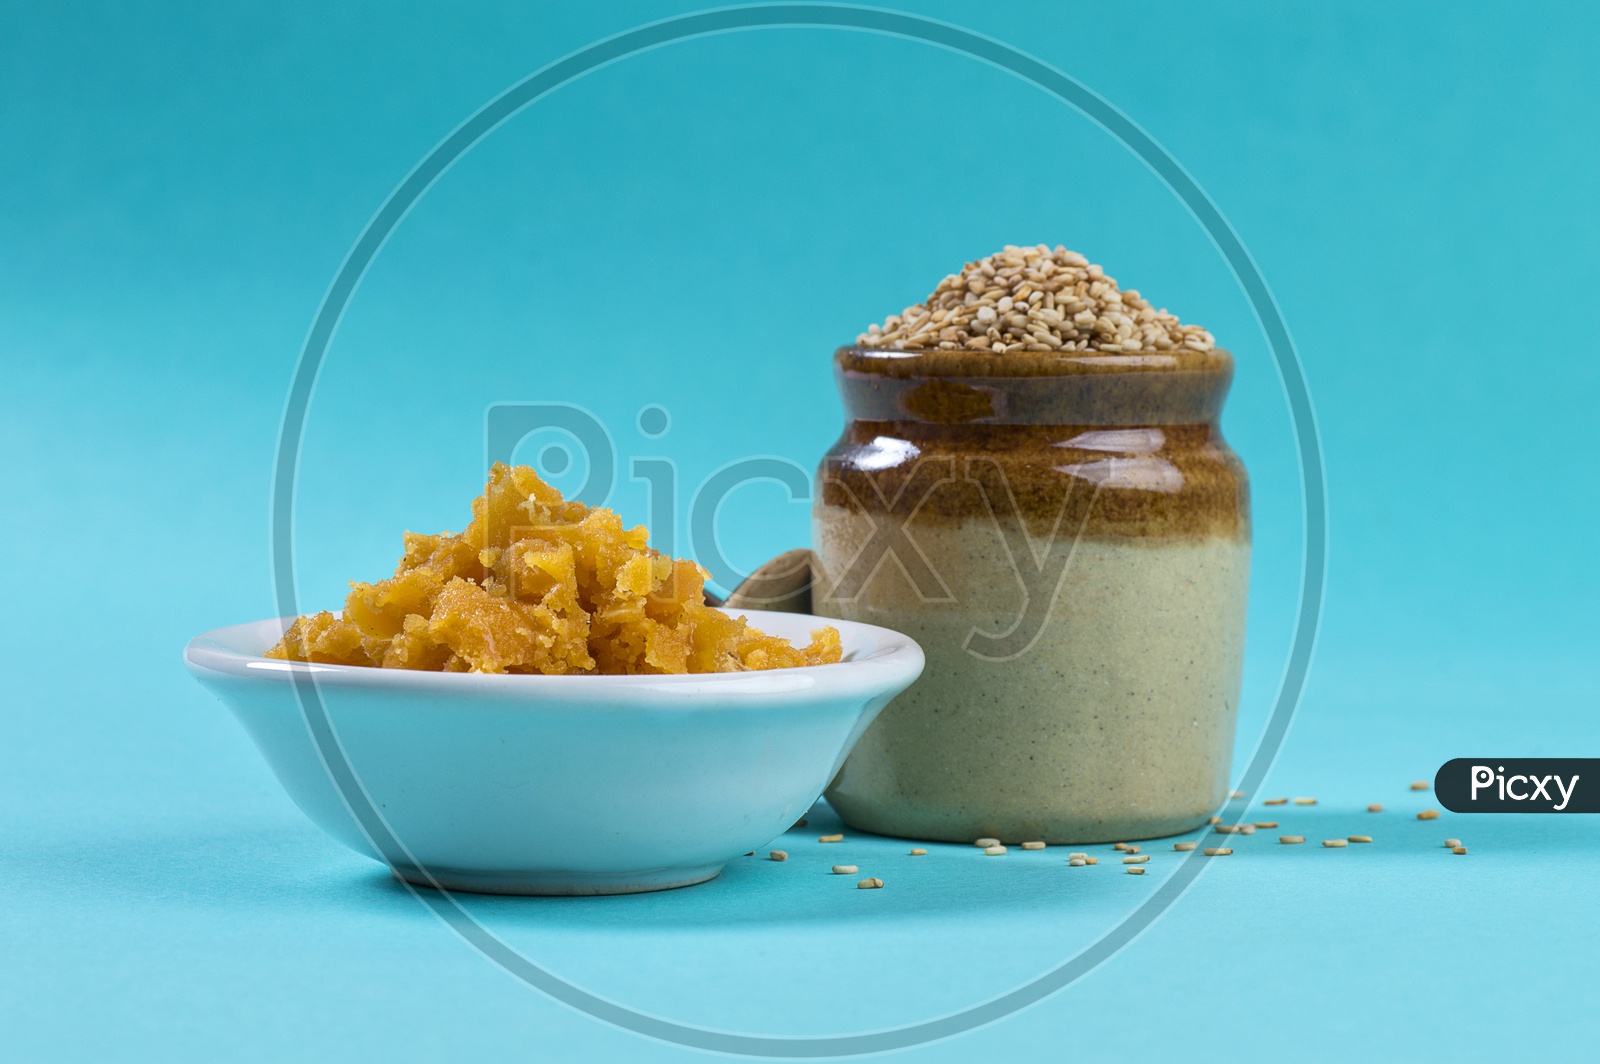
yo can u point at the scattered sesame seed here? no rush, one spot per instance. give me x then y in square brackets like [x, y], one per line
[1213, 820]
[918, 851]
[1291, 840]
[1276, 801]
[1076, 862]
[1091, 860]
[1235, 794]
[1334, 844]
[1458, 850]
[994, 851]
[1247, 829]
[1451, 844]
[870, 883]
[1305, 801]
[1135, 871]
[1428, 814]
[1033, 846]
[830, 838]
[1216, 851]
[1120, 846]
[1420, 785]
[845, 869]
[1141, 859]
[778, 855]
[984, 844]
[1266, 824]
[1132, 849]
[1079, 856]
[1360, 838]
[1181, 846]
[1375, 807]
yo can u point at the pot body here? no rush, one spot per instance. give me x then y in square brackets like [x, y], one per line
[1068, 538]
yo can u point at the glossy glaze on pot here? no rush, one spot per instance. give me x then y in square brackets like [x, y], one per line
[1067, 536]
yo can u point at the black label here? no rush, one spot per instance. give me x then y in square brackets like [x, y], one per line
[1519, 785]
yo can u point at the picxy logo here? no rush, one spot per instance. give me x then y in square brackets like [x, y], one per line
[1483, 776]
[1518, 785]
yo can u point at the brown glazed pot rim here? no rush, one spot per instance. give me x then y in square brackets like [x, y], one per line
[974, 363]
[1034, 387]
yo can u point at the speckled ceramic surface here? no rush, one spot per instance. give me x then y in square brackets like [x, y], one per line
[1068, 537]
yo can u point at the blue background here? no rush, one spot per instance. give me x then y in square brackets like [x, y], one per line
[698, 227]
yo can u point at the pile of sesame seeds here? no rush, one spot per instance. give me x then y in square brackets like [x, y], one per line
[1034, 299]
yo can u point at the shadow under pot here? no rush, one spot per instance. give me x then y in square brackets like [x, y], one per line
[1068, 538]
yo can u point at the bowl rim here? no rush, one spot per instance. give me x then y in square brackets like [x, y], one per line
[893, 658]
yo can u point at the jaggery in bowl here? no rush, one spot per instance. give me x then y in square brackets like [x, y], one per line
[533, 784]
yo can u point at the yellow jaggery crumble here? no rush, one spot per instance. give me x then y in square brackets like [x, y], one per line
[537, 584]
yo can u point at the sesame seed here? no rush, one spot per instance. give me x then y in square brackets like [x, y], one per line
[1276, 801]
[1375, 807]
[984, 844]
[1420, 785]
[1305, 801]
[994, 851]
[1120, 846]
[1033, 846]
[1080, 856]
[1428, 814]
[1360, 838]
[1235, 794]
[830, 838]
[1458, 850]
[1021, 299]
[1076, 862]
[1091, 860]
[1266, 824]
[1291, 840]
[1135, 871]
[870, 883]
[1182, 846]
[1132, 849]
[918, 851]
[1334, 844]
[845, 869]
[1451, 844]
[1141, 859]
[1213, 820]
[1216, 851]
[778, 855]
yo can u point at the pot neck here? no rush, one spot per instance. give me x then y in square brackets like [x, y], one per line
[1033, 388]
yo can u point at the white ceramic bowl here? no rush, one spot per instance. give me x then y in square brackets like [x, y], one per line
[555, 784]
